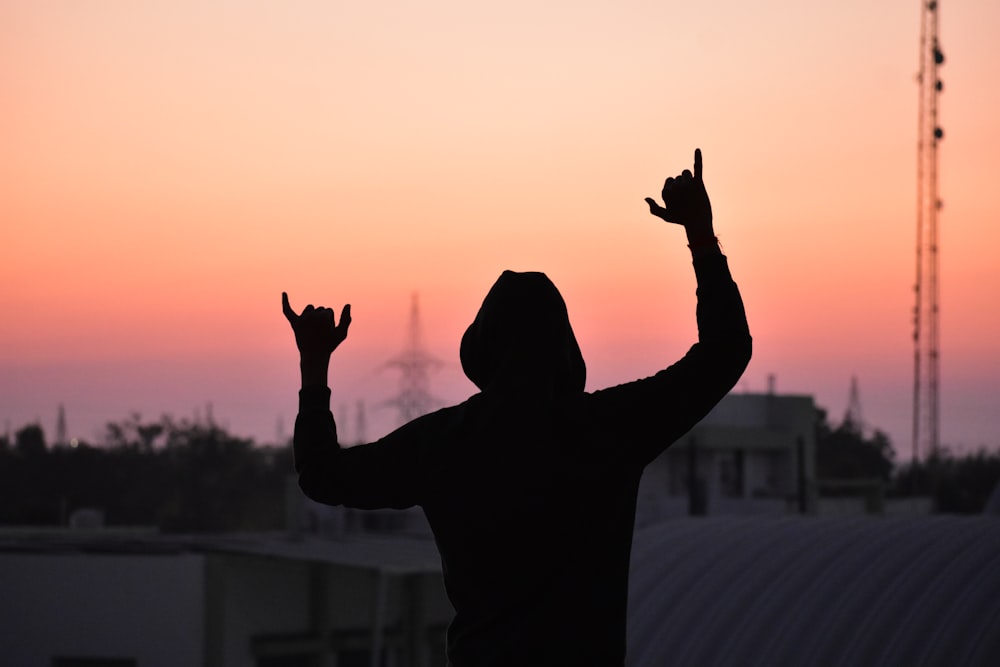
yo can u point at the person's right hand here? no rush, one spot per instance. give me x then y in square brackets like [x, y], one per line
[685, 202]
[316, 333]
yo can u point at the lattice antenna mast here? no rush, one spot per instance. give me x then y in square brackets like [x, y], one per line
[853, 416]
[279, 430]
[415, 365]
[360, 423]
[61, 426]
[926, 424]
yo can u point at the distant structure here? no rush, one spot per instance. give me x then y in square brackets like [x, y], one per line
[753, 454]
[926, 427]
[853, 416]
[360, 424]
[279, 430]
[360, 434]
[61, 426]
[415, 365]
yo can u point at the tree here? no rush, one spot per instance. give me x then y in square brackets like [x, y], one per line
[181, 476]
[30, 441]
[845, 453]
[216, 481]
[132, 432]
[957, 484]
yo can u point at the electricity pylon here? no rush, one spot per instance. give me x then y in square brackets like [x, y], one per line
[415, 365]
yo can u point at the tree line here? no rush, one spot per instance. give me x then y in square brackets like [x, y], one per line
[181, 476]
[194, 476]
[956, 484]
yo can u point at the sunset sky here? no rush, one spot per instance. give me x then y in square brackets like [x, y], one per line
[168, 168]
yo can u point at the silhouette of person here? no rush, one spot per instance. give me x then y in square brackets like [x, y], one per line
[530, 485]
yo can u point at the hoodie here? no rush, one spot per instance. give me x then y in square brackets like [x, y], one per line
[530, 485]
[522, 334]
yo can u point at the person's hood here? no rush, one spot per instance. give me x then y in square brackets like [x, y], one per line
[523, 328]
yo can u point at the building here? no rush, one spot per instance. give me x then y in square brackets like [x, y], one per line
[115, 599]
[740, 591]
[871, 591]
[752, 454]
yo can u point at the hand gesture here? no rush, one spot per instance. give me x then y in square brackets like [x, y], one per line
[316, 333]
[685, 201]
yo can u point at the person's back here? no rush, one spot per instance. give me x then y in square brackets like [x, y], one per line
[526, 511]
[530, 485]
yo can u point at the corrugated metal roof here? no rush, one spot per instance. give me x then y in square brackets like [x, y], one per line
[816, 591]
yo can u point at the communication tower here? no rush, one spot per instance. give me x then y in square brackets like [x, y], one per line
[926, 425]
[360, 423]
[853, 416]
[61, 426]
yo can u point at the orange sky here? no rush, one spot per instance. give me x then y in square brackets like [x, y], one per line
[167, 169]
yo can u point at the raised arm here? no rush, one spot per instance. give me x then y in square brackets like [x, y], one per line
[657, 410]
[382, 474]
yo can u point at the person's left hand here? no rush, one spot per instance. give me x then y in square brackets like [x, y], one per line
[685, 202]
[316, 332]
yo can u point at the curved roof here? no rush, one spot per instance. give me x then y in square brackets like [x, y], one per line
[816, 591]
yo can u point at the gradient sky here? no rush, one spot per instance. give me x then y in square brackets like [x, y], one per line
[168, 168]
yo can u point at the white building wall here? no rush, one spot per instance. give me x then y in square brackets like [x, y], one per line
[203, 608]
[258, 596]
[146, 607]
[756, 436]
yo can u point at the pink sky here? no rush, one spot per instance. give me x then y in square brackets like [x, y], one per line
[167, 169]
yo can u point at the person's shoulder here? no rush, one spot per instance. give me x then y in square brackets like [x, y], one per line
[441, 417]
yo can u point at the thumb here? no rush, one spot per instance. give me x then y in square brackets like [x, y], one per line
[286, 308]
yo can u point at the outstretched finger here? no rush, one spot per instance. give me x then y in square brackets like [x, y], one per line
[697, 164]
[345, 318]
[286, 308]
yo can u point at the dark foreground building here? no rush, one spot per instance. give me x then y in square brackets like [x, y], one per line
[741, 591]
